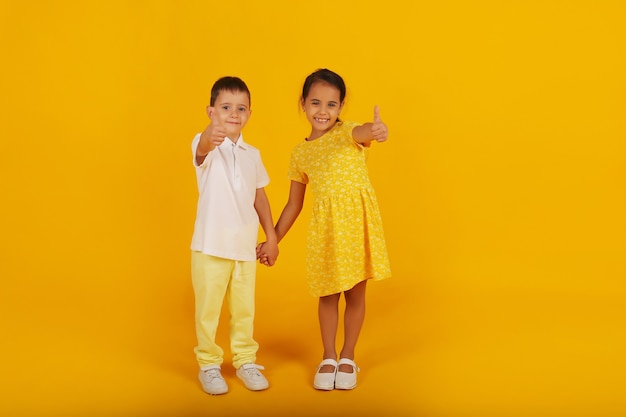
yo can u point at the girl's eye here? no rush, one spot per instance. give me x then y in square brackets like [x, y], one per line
[331, 104]
[242, 109]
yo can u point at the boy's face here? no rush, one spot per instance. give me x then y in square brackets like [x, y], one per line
[232, 111]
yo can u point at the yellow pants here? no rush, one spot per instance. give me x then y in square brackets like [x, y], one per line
[215, 279]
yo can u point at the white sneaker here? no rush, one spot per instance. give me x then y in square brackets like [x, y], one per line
[251, 376]
[212, 381]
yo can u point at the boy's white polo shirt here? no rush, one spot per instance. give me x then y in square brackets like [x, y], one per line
[227, 224]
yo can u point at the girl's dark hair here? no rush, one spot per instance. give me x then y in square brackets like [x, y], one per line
[326, 76]
[232, 84]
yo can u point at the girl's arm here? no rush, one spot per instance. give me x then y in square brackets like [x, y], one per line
[262, 207]
[292, 209]
[367, 132]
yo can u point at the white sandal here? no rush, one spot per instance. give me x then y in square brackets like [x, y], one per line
[325, 380]
[346, 380]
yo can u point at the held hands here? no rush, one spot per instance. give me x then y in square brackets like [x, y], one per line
[267, 253]
[378, 129]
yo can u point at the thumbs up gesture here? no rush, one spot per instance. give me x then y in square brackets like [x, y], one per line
[378, 128]
[215, 133]
[212, 136]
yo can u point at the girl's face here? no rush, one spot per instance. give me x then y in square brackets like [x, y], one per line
[322, 107]
[232, 111]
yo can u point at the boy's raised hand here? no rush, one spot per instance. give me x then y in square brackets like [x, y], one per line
[215, 133]
[212, 136]
[379, 129]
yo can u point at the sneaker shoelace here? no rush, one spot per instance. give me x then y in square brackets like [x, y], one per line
[212, 374]
[252, 371]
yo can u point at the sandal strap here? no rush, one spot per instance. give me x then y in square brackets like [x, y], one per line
[328, 362]
[346, 361]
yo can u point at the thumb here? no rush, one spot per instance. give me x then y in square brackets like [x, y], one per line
[376, 115]
[217, 125]
[215, 120]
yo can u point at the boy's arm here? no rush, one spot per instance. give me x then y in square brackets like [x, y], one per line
[375, 130]
[212, 136]
[262, 207]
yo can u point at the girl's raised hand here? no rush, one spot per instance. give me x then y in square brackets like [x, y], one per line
[379, 129]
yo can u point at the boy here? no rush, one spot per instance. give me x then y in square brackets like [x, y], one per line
[231, 204]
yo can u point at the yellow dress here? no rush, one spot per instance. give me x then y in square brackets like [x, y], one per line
[345, 243]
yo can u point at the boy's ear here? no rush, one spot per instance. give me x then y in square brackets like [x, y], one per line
[209, 112]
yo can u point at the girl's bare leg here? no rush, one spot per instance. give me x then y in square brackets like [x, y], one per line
[328, 316]
[353, 321]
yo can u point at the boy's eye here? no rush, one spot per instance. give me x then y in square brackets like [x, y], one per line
[225, 107]
[242, 109]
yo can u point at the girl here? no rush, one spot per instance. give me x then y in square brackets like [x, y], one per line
[345, 243]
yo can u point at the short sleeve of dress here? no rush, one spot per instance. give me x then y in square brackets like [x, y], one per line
[347, 127]
[295, 172]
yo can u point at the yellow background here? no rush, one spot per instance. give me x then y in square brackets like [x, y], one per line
[501, 188]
